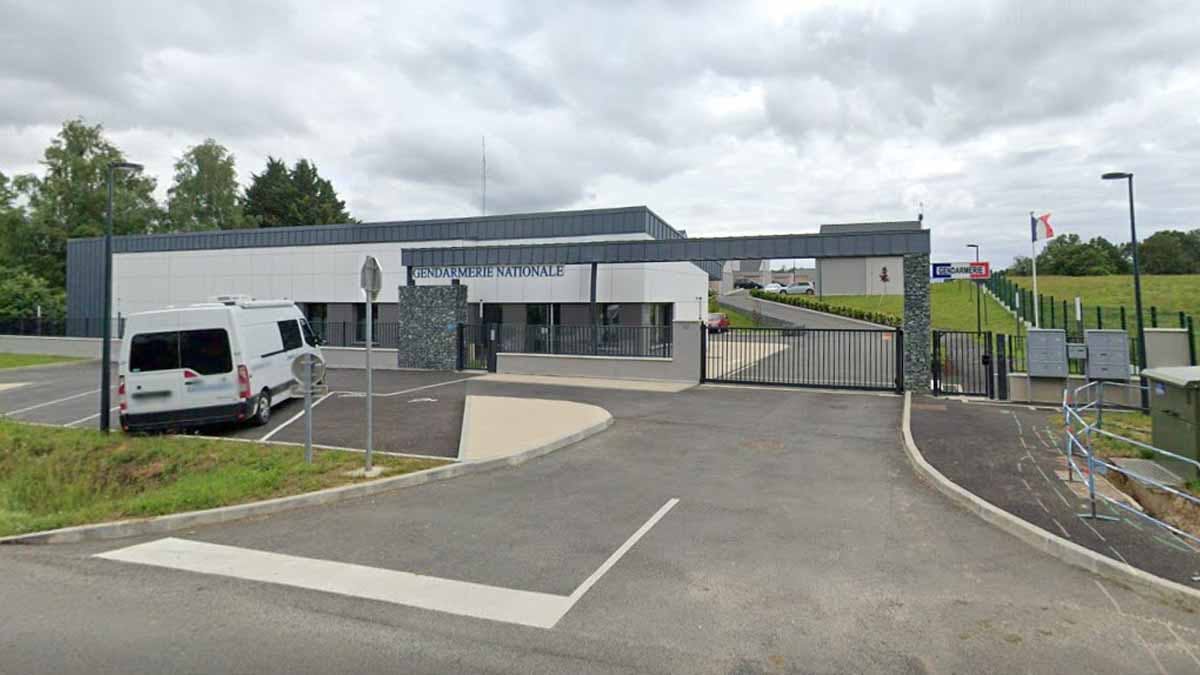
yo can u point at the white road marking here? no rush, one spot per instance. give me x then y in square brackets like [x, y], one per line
[5, 386]
[526, 608]
[1145, 644]
[1094, 530]
[293, 418]
[1118, 554]
[1060, 526]
[1184, 644]
[616, 556]
[1020, 429]
[57, 400]
[91, 417]
[481, 601]
[363, 394]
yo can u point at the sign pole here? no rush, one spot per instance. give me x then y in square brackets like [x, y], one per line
[370, 383]
[371, 281]
[308, 385]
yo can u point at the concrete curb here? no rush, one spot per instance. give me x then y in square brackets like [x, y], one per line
[178, 521]
[1068, 552]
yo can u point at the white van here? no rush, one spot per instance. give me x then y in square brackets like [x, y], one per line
[222, 361]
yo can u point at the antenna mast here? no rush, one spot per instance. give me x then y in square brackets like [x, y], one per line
[483, 178]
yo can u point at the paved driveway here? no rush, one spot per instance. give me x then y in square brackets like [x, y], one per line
[429, 403]
[800, 542]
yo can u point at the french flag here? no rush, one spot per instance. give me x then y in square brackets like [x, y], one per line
[1040, 226]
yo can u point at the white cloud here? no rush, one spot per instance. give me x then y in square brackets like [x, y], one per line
[723, 117]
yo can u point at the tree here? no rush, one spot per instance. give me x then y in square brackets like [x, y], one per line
[21, 294]
[205, 194]
[70, 200]
[1170, 252]
[1117, 256]
[279, 197]
[12, 217]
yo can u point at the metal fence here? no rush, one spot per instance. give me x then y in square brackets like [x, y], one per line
[806, 357]
[60, 327]
[478, 343]
[353, 333]
[1080, 445]
[962, 363]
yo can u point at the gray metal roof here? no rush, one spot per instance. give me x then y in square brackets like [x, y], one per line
[588, 222]
[823, 245]
[882, 226]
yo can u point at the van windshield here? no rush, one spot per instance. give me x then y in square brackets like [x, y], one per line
[204, 351]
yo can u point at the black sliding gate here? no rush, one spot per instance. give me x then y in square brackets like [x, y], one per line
[963, 363]
[806, 357]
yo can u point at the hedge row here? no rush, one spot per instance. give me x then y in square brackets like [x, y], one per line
[809, 302]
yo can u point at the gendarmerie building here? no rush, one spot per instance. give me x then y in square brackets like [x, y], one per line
[317, 267]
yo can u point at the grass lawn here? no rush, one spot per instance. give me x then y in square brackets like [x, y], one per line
[51, 477]
[18, 360]
[1133, 425]
[1170, 293]
[953, 306]
[736, 318]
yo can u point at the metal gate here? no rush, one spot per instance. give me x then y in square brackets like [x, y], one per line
[477, 347]
[805, 357]
[963, 363]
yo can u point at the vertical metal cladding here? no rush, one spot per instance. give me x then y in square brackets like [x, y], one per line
[85, 286]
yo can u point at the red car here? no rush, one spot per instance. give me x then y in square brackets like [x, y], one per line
[717, 323]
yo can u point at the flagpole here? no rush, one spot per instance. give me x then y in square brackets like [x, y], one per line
[1033, 259]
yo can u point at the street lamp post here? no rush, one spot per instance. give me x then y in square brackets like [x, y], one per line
[106, 329]
[978, 321]
[1137, 285]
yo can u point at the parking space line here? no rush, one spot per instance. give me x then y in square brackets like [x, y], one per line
[616, 556]
[363, 394]
[91, 417]
[57, 400]
[495, 603]
[293, 418]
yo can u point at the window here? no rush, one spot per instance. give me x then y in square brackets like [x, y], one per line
[154, 351]
[360, 323]
[316, 311]
[289, 333]
[205, 351]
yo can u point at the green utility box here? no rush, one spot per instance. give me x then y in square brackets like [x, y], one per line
[1175, 415]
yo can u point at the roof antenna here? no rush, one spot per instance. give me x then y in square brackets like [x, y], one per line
[483, 178]
[920, 212]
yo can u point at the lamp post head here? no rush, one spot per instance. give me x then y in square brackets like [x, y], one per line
[125, 166]
[1116, 175]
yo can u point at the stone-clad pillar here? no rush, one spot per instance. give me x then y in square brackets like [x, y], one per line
[917, 343]
[429, 318]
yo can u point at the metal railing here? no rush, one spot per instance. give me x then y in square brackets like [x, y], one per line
[479, 342]
[839, 358]
[59, 327]
[1079, 443]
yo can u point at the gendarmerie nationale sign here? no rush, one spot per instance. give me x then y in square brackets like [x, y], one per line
[489, 271]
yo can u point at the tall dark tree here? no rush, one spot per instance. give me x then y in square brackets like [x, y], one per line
[70, 200]
[1169, 252]
[280, 197]
[205, 195]
[12, 217]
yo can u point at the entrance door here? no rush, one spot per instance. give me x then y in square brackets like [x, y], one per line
[962, 363]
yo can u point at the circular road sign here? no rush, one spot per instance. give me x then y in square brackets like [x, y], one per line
[300, 369]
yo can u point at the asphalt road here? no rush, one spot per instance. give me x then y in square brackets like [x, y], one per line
[429, 403]
[801, 542]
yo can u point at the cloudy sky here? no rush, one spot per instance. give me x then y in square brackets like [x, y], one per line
[725, 118]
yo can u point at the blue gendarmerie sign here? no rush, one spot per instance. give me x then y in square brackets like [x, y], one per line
[489, 271]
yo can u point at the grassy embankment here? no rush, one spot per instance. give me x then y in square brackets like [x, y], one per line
[53, 477]
[953, 306]
[20, 360]
[1170, 293]
[736, 319]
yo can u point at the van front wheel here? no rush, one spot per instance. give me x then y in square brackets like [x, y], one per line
[262, 409]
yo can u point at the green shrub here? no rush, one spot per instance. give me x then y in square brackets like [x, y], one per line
[809, 302]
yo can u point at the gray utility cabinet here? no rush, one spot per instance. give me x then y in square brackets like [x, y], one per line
[1046, 352]
[1108, 354]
